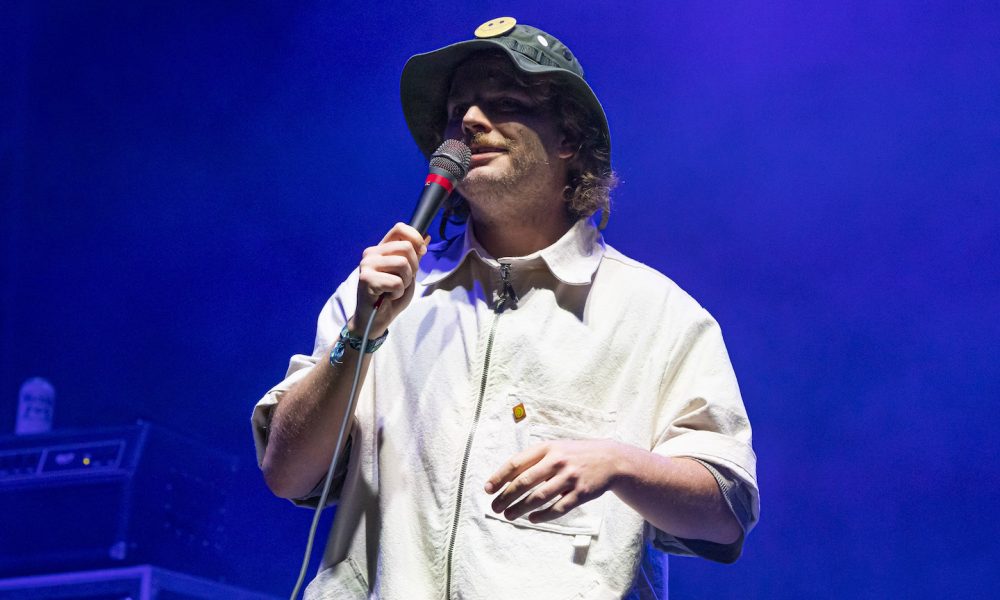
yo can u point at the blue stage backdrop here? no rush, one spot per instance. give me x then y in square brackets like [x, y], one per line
[822, 176]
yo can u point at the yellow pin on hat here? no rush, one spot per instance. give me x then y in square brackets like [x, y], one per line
[495, 27]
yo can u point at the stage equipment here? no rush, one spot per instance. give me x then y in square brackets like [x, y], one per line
[142, 582]
[81, 499]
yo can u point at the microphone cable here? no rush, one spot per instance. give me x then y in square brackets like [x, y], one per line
[448, 165]
[328, 481]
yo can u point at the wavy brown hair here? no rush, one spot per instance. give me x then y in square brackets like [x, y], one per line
[590, 178]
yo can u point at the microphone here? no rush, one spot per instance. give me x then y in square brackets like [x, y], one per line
[449, 164]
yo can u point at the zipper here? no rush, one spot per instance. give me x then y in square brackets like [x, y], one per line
[507, 293]
[506, 299]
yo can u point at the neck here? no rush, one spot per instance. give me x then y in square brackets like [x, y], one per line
[515, 236]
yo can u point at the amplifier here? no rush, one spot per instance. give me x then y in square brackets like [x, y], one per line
[82, 499]
[142, 582]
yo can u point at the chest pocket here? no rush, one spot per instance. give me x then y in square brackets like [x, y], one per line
[547, 419]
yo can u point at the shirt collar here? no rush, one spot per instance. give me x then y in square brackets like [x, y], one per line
[572, 259]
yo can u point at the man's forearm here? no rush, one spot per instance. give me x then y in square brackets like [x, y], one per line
[676, 495]
[306, 419]
[304, 426]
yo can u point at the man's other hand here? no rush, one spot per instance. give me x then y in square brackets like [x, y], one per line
[575, 471]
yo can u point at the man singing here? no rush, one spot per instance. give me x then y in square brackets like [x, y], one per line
[547, 415]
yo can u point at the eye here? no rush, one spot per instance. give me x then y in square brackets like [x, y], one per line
[508, 104]
[458, 111]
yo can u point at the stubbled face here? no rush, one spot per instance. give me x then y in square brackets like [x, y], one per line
[519, 157]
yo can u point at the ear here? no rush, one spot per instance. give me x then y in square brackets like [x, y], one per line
[568, 147]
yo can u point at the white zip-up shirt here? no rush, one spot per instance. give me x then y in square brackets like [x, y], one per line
[596, 346]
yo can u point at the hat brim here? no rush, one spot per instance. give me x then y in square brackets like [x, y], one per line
[426, 79]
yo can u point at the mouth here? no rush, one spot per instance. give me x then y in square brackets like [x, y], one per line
[480, 143]
[486, 150]
[482, 155]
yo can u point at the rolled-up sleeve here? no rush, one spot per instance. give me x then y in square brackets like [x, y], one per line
[703, 418]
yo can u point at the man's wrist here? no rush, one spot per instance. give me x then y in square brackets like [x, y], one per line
[356, 328]
[629, 464]
[347, 339]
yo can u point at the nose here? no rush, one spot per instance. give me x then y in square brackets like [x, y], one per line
[475, 121]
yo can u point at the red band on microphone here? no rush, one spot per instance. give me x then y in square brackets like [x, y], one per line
[440, 180]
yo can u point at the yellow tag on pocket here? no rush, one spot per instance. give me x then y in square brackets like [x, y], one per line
[519, 413]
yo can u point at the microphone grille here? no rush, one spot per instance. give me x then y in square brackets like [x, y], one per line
[452, 156]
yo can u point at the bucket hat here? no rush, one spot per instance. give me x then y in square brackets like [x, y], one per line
[426, 79]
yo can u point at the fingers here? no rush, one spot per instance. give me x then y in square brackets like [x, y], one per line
[403, 232]
[565, 504]
[550, 479]
[526, 481]
[538, 497]
[402, 249]
[389, 267]
[514, 466]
